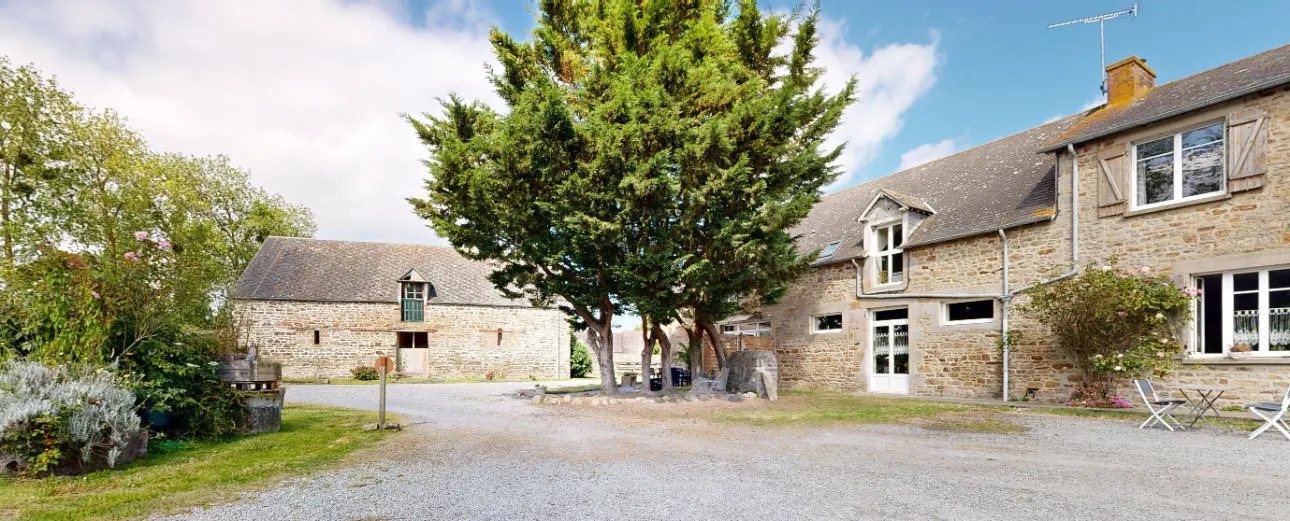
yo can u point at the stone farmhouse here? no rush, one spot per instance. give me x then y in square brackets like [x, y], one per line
[918, 270]
[321, 308]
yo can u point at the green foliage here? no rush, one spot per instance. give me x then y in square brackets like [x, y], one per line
[180, 377]
[1115, 323]
[579, 360]
[651, 156]
[685, 355]
[365, 373]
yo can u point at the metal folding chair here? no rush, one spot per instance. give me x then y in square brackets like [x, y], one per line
[1273, 413]
[1161, 410]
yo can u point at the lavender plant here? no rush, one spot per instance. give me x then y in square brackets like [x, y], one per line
[48, 414]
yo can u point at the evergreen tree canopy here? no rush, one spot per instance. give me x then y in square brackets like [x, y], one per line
[651, 157]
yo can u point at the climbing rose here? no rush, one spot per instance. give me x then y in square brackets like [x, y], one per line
[1146, 269]
[1119, 368]
[163, 244]
[140, 236]
[1106, 268]
[1160, 315]
[1121, 314]
[131, 256]
[94, 294]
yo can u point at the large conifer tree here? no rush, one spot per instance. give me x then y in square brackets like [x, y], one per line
[652, 157]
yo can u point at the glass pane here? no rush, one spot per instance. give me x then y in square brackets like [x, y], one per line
[1150, 149]
[1202, 170]
[828, 322]
[1245, 282]
[1210, 308]
[1279, 320]
[898, 267]
[828, 250]
[884, 272]
[975, 310]
[897, 236]
[891, 314]
[900, 348]
[1279, 279]
[1202, 136]
[881, 350]
[882, 239]
[1245, 319]
[1156, 180]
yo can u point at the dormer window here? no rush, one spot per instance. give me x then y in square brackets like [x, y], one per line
[413, 292]
[829, 249]
[891, 260]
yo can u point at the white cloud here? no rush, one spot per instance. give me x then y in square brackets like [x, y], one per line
[927, 152]
[304, 94]
[890, 79]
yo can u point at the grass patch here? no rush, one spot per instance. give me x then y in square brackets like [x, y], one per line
[810, 408]
[1129, 415]
[573, 389]
[178, 475]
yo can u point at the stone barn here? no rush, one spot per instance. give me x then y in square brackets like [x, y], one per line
[321, 308]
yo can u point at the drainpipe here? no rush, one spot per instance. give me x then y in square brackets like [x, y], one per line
[1004, 300]
[1074, 223]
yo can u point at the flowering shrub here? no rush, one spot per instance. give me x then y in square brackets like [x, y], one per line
[1117, 324]
[50, 414]
[1085, 397]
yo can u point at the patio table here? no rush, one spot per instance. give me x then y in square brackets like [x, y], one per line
[1206, 395]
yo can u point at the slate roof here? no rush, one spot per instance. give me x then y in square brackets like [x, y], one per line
[290, 268]
[1002, 184]
[1255, 73]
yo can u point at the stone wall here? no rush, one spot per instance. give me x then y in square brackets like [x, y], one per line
[1246, 230]
[1249, 229]
[463, 340]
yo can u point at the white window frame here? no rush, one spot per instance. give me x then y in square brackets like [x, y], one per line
[751, 328]
[945, 313]
[830, 249]
[1228, 305]
[889, 253]
[815, 322]
[1178, 155]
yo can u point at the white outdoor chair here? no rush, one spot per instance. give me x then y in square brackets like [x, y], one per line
[1273, 413]
[1161, 410]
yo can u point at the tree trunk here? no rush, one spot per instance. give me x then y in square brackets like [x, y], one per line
[696, 351]
[647, 357]
[604, 349]
[665, 356]
[717, 349]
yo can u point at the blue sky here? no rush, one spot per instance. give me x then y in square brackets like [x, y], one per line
[1000, 70]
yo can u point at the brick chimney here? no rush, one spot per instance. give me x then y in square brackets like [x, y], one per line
[1128, 80]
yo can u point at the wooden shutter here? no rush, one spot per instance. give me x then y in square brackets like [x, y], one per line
[1112, 180]
[1247, 149]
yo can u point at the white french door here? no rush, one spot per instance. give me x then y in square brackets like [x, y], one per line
[889, 362]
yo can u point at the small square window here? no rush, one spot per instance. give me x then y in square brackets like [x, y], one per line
[828, 250]
[826, 323]
[969, 312]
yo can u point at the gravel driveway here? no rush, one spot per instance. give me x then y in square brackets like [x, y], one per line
[482, 455]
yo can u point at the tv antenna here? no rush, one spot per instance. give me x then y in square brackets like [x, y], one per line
[1100, 20]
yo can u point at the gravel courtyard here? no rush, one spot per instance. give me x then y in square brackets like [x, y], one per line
[475, 453]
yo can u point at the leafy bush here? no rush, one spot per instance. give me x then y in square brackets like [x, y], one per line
[579, 360]
[50, 414]
[365, 373]
[1116, 323]
[180, 377]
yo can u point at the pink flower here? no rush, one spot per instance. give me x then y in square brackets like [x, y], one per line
[132, 256]
[163, 244]
[94, 294]
[1160, 354]
[1145, 269]
[1121, 314]
[140, 236]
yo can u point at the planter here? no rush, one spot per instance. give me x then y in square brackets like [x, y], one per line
[263, 411]
[1234, 355]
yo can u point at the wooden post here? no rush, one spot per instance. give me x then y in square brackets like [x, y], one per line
[380, 419]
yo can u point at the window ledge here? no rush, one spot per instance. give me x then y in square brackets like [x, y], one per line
[1253, 360]
[1170, 206]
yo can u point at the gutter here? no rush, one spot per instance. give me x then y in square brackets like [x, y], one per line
[1005, 295]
